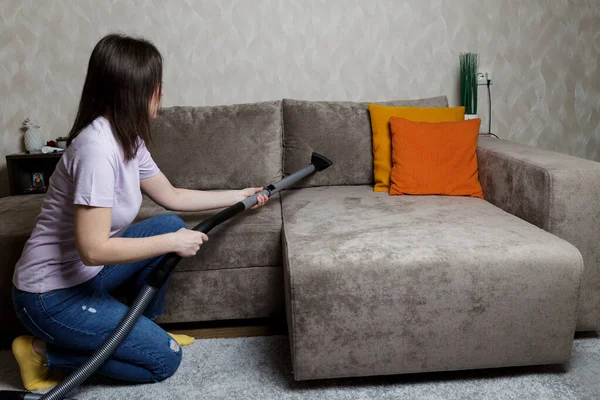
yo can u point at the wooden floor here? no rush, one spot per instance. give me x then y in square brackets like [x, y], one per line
[213, 329]
[243, 328]
[230, 329]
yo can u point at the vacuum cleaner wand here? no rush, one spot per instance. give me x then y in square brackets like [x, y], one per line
[162, 271]
[155, 280]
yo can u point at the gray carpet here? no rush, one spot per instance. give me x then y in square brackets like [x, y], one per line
[259, 368]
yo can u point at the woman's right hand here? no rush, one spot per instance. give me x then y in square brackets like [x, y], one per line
[187, 242]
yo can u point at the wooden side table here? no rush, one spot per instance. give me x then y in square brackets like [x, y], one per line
[30, 173]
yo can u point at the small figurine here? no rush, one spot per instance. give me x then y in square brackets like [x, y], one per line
[34, 139]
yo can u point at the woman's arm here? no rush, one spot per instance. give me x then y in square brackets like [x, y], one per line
[163, 193]
[96, 247]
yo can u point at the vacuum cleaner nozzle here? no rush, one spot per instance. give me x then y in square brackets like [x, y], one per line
[320, 161]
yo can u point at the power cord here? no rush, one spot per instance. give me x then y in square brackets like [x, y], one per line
[489, 82]
[490, 107]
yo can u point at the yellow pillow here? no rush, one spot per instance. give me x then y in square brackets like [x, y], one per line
[382, 142]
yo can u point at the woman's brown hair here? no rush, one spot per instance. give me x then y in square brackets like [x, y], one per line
[123, 74]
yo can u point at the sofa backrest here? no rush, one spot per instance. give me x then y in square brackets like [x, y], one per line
[340, 131]
[219, 147]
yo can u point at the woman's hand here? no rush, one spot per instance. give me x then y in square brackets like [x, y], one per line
[262, 198]
[187, 242]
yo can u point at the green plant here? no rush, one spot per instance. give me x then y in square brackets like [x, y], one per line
[61, 139]
[469, 65]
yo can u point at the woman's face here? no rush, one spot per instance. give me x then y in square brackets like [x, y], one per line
[155, 103]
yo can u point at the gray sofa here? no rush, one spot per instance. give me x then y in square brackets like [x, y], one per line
[373, 284]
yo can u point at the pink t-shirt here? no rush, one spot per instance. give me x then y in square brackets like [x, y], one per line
[91, 172]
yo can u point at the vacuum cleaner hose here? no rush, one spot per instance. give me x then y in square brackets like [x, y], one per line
[155, 280]
[108, 347]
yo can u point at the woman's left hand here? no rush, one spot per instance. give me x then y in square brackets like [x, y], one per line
[262, 198]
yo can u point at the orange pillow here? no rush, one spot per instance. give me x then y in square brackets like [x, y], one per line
[382, 142]
[435, 158]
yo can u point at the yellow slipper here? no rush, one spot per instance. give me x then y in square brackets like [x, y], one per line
[182, 340]
[34, 371]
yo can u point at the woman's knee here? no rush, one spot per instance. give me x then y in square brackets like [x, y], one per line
[169, 223]
[170, 361]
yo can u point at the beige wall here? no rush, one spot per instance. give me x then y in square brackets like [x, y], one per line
[544, 55]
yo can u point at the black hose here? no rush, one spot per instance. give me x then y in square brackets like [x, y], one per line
[105, 351]
[155, 280]
[162, 271]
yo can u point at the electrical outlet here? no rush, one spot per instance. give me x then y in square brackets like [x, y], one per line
[483, 76]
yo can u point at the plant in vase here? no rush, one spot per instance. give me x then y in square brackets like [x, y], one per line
[61, 142]
[469, 65]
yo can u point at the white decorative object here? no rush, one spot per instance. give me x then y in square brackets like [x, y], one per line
[34, 139]
[50, 149]
[471, 116]
[62, 144]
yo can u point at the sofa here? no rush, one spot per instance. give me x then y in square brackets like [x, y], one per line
[371, 284]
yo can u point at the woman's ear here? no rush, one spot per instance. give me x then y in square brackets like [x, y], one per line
[155, 103]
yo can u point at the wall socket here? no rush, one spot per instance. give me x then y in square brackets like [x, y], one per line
[483, 76]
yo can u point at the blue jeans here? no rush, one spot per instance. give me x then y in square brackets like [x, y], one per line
[75, 321]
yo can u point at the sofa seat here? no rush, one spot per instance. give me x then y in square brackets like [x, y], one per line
[17, 217]
[378, 284]
[250, 239]
[236, 275]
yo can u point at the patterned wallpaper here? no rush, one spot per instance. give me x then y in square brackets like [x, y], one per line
[544, 56]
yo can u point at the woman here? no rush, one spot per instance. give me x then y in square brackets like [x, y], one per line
[83, 247]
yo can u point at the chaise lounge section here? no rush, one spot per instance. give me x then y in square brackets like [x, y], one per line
[388, 285]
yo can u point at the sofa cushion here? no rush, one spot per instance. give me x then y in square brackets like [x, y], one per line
[219, 294]
[251, 239]
[219, 147]
[379, 284]
[237, 274]
[382, 137]
[17, 215]
[435, 158]
[340, 130]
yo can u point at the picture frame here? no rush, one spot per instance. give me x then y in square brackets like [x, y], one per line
[37, 180]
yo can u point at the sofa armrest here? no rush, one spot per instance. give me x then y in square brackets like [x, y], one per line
[556, 192]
